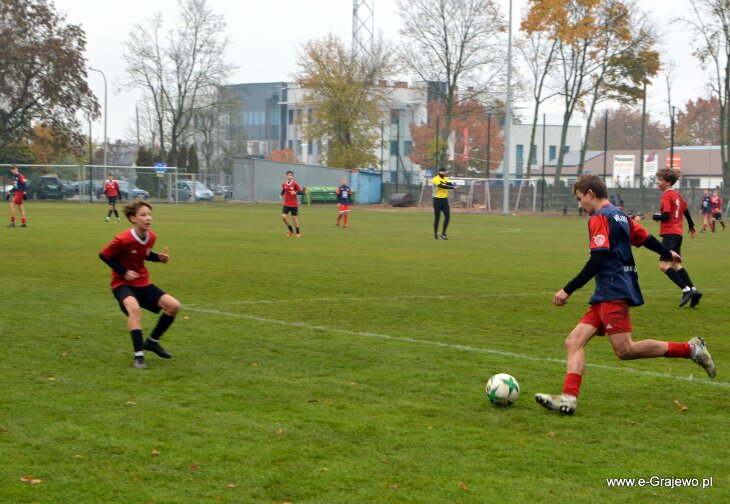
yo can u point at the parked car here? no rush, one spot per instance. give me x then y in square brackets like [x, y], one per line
[224, 190]
[183, 191]
[125, 190]
[45, 187]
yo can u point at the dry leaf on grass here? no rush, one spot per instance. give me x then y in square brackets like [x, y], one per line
[130, 403]
[681, 406]
[155, 452]
[30, 480]
[229, 485]
[463, 485]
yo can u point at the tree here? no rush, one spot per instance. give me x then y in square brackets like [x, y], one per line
[182, 157]
[699, 124]
[711, 24]
[43, 75]
[540, 54]
[455, 46]
[16, 153]
[624, 131]
[193, 162]
[342, 89]
[470, 129]
[602, 54]
[176, 69]
[144, 157]
[284, 156]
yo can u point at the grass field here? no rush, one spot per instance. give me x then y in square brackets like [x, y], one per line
[346, 366]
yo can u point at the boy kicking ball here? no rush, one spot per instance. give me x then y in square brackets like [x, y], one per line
[131, 285]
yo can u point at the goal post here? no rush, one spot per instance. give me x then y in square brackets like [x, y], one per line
[487, 195]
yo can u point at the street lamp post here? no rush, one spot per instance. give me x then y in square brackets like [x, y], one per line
[671, 147]
[507, 120]
[106, 144]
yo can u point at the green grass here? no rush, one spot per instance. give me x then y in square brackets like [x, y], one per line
[345, 366]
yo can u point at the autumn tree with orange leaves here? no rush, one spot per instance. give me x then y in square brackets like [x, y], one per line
[470, 125]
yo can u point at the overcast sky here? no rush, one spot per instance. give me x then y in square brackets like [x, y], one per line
[266, 36]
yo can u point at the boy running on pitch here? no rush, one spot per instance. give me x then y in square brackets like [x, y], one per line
[111, 189]
[290, 190]
[716, 207]
[131, 284]
[673, 208]
[611, 235]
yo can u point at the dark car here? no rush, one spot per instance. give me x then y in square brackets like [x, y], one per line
[125, 189]
[45, 187]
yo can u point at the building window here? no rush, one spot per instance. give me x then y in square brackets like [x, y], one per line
[407, 146]
[519, 152]
[393, 148]
[533, 155]
[566, 149]
[552, 152]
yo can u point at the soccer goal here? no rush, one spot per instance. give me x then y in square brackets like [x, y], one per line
[487, 195]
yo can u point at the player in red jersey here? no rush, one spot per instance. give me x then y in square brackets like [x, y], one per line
[673, 208]
[611, 237]
[290, 191]
[111, 189]
[344, 199]
[716, 209]
[17, 197]
[131, 284]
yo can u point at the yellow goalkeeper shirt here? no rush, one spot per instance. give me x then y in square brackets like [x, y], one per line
[440, 191]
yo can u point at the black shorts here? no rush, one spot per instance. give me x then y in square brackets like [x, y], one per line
[717, 215]
[112, 199]
[672, 242]
[294, 210]
[148, 296]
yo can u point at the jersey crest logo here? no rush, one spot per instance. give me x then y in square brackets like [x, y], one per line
[599, 240]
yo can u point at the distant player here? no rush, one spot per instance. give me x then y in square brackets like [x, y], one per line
[344, 194]
[290, 191]
[716, 208]
[611, 234]
[441, 184]
[111, 189]
[706, 210]
[673, 208]
[17, 197]
[131, 285]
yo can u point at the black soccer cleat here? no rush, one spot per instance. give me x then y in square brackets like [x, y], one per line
[696, 296]
[138, 362]
[12, 224]
[153, 346]
[686, 297]
[444, 237]
[435, 236]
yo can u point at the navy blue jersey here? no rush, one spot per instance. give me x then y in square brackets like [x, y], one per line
[613, 231]
[343, 195]
[705, 205]
[18, 182]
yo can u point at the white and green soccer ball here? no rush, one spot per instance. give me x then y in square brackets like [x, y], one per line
[502, 389]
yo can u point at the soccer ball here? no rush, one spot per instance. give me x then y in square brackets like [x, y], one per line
[502, 389]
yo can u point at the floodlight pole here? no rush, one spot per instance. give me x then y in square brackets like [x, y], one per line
[106, 144]
[507, 119]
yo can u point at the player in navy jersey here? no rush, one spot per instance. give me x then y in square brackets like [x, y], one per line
[344, 195]
[673, 209]
[17, 197]
[290, 191]
[611, 234]
[131, 284]
[706, 210]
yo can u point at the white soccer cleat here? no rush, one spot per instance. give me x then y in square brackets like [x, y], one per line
[565, 404]
[700, 355]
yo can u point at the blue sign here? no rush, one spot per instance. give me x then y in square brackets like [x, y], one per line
[161, 167]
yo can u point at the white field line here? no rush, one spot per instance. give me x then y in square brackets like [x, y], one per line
[451, 346]
[435, 297]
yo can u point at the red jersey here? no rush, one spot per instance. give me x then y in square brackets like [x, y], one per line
[291, 200]
[130, 251]
[716, 204]
[111, 188]
[674, 203]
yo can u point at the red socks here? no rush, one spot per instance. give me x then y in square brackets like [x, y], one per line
[677, 350]
[572, 384]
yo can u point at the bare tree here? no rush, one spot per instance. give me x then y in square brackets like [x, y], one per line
[455, 46]
[711, 24]
[176, 67]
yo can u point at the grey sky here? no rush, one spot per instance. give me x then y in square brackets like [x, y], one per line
[266, 36]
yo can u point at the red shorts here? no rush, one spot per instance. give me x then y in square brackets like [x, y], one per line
[611, 317]
[344, 208]
[18, 198]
